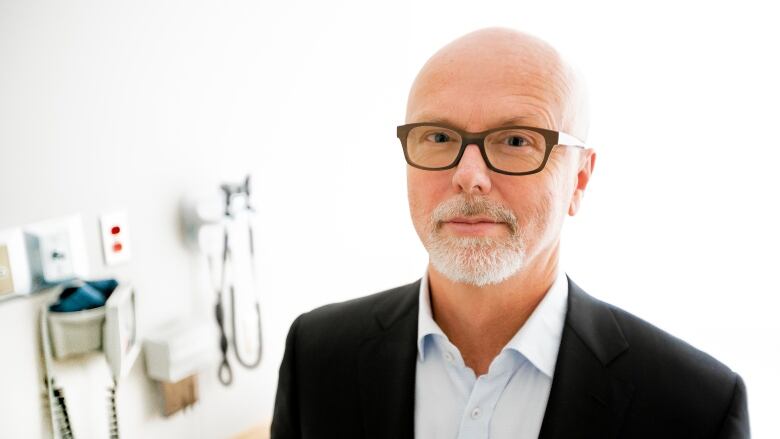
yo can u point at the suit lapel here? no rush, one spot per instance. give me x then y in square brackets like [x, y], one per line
[386, 367]
[585, 399]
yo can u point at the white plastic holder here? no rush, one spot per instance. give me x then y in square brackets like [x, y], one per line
[178, 350]
[112, 328]
[76, 333]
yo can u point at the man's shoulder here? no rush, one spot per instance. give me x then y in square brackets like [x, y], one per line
[655, 346]
[668, 371]
[358, 318]
[675, 382]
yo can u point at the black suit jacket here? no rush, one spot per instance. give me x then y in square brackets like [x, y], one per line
[349, 372]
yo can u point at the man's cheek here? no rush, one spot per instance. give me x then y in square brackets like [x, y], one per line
[419, 214]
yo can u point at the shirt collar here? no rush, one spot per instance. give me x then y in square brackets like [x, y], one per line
[537, 340]
[425, 323]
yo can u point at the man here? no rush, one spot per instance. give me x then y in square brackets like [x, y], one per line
[495, 341]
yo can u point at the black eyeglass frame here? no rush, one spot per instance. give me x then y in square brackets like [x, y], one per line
[551, 139]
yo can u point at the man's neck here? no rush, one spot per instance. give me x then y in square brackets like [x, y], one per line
[480, 321]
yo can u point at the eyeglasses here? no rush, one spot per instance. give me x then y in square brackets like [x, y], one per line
[514, 150]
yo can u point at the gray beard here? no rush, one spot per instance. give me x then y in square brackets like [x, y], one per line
[477, 261]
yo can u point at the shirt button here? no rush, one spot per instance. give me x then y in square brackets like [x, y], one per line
[449, 357]
[476, 413]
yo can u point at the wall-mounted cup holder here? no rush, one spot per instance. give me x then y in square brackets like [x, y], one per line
[77, 320]
[76, 333]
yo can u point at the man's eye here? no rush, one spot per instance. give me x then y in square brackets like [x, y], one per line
[438, 137]
[516, 141]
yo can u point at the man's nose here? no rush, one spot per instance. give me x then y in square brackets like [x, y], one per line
[472, 174]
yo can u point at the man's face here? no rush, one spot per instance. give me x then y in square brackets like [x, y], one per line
[479, 226]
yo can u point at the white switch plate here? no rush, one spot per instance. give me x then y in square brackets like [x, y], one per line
[116, 237]
[56, 251]
[56, 254]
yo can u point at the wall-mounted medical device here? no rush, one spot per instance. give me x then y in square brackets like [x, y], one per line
[110, 325]
[89, 316]
[220, 225]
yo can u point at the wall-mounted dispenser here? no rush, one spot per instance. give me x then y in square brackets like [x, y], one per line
[178, 350]
[174, 355]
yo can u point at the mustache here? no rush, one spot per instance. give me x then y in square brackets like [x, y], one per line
[467, 205]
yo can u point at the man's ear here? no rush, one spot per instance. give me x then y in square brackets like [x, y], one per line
[587, 160]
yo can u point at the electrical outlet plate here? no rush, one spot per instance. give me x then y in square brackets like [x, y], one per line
[115, 235]
[56, 251]
[56, 256]
[60, 239]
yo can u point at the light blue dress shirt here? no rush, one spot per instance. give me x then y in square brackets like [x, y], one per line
[507, 402]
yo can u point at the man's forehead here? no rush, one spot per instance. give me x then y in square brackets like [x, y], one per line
[498, 77]
[479, 102]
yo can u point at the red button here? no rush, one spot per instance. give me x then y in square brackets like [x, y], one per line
[115, 230]
[117, 247]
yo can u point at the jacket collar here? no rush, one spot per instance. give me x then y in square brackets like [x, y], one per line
[386, 367]
[585, 399]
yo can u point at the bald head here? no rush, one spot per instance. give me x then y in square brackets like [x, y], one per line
[484, 76]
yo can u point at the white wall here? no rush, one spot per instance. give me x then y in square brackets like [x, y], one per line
[116, 104]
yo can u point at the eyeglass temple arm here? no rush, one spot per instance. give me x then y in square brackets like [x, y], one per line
[568, 139]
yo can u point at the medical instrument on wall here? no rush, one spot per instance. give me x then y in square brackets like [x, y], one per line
[89, 316]
[214, 224]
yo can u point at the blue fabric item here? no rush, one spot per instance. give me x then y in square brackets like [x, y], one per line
[89, 295]
[105, 286]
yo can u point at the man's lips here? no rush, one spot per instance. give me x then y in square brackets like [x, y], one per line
[475, 226]
[471, 220]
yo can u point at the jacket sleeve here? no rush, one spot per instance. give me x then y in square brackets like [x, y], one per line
[286, 423]
[735, 423]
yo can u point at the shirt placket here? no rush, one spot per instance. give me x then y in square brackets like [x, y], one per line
[480, 394]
